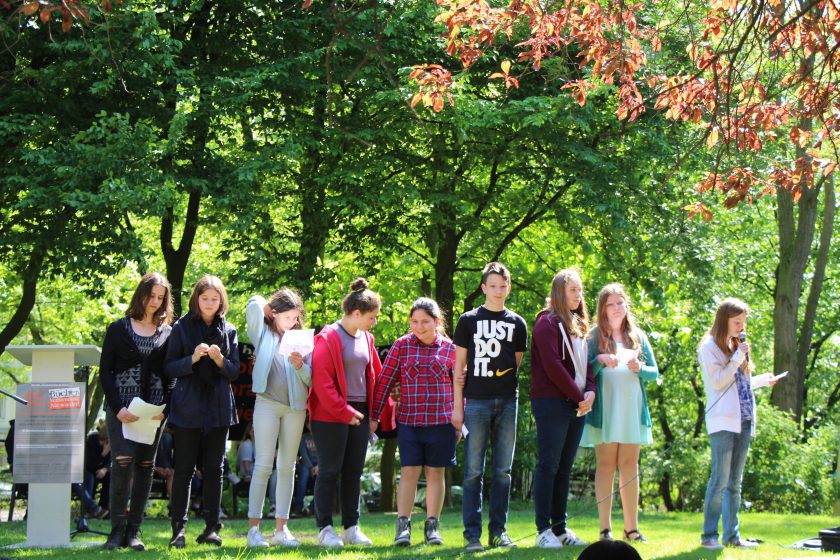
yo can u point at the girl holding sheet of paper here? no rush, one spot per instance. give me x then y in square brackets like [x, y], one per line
[131, 366]
[203, 358]
[619, 423]
[281, 381]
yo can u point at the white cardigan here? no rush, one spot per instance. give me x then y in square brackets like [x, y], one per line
[724, 410]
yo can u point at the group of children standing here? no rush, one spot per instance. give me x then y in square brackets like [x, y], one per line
[587, 385]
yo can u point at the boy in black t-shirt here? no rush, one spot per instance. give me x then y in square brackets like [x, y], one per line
[489, 343]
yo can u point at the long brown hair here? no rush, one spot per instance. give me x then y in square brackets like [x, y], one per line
[137, 307]
[575, 321]
[209, 282]
[719, 331]
[629, 330]
[286, 299]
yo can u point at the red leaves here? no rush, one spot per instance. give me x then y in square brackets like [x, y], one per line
[581, 89]
[29, 8]
[698, 209]
[510, 81]
[70, 10]
[434, 82]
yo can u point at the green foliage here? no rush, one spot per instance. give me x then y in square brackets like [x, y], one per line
[785, 474]
[290, 129]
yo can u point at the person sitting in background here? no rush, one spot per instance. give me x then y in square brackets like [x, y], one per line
[245, 455]
[164, 463]
[97, 471]
[245, 468]
[307, 470]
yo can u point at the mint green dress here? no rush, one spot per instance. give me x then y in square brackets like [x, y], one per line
[622, 404]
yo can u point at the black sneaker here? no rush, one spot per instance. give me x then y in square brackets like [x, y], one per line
[115, 538]
[432, 531]
[132, 539]
[178, 539]
[209, 536]
[402, 536]
[474, 545]
[502, 540]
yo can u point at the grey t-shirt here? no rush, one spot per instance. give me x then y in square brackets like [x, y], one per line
[356, 356]
[277, 386]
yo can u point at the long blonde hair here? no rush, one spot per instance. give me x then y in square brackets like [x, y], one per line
[575, 321]
[630, 334]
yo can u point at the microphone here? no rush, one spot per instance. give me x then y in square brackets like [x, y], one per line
[742, 337]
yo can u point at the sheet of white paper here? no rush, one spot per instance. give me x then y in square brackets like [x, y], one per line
[297, 340]
[464, 431]
[143, 430]
[624, 355]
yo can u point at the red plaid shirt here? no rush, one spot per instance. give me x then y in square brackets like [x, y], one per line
[424, 374]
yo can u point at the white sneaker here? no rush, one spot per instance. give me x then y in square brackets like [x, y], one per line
[547, 539]
[255, 538]
[354, 535]
[284, 538]
[569, 538]
[328, 538]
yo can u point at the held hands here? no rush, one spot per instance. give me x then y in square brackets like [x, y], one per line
[609, 360]
[460, 377]
[126, 417]
[100, 474]
[357, 418]
[296, 359]
[215, 354]
[585, 405]
[373, 426]
[634, 364]
[200, 351]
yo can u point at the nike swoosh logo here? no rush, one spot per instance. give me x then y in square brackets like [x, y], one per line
[501, 373]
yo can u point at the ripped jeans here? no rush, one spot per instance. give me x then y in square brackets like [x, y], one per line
[132, 465]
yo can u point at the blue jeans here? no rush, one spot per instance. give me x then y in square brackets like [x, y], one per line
[84, 492]
[493, 419]
[559, 430]
[303, 476]
[723, 493]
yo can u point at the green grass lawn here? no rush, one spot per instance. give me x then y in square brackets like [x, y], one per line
[671, 537]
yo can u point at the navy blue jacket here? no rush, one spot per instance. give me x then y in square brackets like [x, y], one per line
[193, 403]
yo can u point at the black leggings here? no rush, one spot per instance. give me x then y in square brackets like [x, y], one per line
[341, 453]
[210, 443]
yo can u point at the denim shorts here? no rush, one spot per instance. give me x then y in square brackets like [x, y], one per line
[430, 446]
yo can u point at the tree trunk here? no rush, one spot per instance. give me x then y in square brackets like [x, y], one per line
[796, 234]
[27, 299]
[177, 259]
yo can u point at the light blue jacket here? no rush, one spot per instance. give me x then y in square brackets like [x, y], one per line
[265, 343]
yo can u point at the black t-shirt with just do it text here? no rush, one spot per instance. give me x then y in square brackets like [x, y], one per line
[492, 339]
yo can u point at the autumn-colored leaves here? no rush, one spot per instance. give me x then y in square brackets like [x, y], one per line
[69, 10]
[764, 72]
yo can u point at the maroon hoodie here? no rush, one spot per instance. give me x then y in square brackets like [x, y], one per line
[552, 367]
